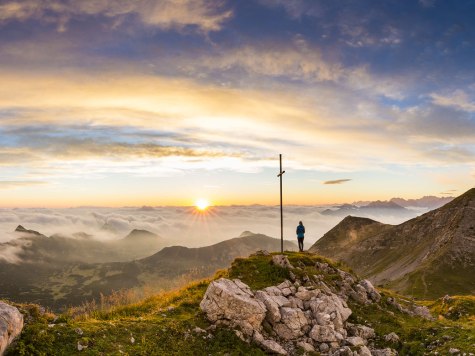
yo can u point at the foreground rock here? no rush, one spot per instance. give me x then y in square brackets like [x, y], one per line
[11, 324]
[287, 316]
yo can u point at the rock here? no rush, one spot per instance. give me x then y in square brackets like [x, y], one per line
[132, 340]
[362, 331]
[333, 306]
[273, 290]
[304, 294]
[306, 346]
[273, 304]
[454, 351]
[343, 351]
[262, 253]
[11, 324]
[282, 261]
[324, 348]
[384, 352]
[232, 302]
[359, 294]
[296, 302]
[355, 341]
[272, 346]
[287, 288]
[198, 330]
[79, 331]
[81, 346]
[325, 333]
[372, 292]
[392, 337]
[364, 351]
[423, 312]
[292, 322]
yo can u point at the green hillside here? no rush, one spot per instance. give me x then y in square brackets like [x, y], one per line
[173, 324]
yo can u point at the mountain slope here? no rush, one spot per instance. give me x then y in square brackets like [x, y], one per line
[431, 255]
[172, 323]
[69, 284]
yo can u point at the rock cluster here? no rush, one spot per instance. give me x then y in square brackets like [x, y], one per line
[11, 324]
[288, 316]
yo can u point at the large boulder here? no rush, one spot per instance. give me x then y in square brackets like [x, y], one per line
[11, 324]
[233, 303]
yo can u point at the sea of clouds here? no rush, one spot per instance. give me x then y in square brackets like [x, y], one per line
[177, 225]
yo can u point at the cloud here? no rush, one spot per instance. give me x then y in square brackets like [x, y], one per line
[5, 184]
[205, 15]
[176, 225]
[458, 99]
[298, 61]
[337, 181]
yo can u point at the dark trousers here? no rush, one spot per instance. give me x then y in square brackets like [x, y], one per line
[300, 240]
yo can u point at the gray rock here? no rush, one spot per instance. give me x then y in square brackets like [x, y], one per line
[282, 261]
[324, 348]
[364, 351]
[362, 331]
[273, 304]
[325, 333]
[292, 322]
[355, 341]
[423, 312]
[306, 346]
[372, 292]
[11, 324]
[273, 290]
[384, 352]
[392, 337]
[454, 351]
[272, 346]
[233, 302]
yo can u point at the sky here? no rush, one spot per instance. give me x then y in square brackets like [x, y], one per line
[130, 103]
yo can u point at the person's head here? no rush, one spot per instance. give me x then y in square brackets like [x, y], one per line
[300, 223]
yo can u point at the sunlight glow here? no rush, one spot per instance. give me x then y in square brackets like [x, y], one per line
[202, 204]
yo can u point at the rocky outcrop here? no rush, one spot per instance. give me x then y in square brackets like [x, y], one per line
[233, 303]
[11, 324]
[288, 316]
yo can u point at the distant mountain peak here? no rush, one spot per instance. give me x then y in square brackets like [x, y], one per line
[20, 228]
[140, 234]
[384, 205]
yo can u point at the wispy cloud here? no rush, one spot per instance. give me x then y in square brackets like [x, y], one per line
[205, 15]
[5, 184]
[337, 181]
[458, 99]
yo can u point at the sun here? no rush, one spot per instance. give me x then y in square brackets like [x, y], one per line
[202, 204]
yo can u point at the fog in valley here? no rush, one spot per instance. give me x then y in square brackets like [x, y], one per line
[183, 225]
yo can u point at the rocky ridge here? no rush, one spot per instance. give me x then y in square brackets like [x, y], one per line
[300, 313]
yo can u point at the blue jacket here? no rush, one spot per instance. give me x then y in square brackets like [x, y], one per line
[300, 231]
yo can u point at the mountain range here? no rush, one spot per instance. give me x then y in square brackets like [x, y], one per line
[428, 256]
[57, 271]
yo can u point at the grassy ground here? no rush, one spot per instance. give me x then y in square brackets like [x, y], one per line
[165, 324]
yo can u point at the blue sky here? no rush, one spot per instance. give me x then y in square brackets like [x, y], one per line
[162, 102]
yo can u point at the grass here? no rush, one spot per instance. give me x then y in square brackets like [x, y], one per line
[165, 323]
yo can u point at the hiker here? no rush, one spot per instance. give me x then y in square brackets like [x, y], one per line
[300, 235]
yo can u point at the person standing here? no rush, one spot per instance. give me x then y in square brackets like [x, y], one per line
[300, 235]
